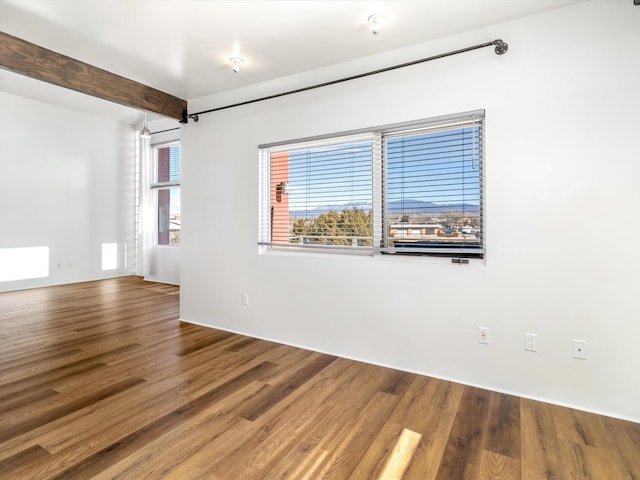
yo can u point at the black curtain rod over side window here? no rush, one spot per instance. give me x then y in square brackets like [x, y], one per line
[167, 130]
[500, 49]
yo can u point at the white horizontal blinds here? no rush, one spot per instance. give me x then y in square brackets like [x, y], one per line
[168, 166]
[378, 193]
[321, 194]
[175, 168]
[433, 189]
[412, 188]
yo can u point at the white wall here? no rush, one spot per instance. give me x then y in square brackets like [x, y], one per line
[67, 183]
[562, 202]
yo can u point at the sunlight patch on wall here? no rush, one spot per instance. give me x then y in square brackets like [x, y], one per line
[109, 256]
[23, 263]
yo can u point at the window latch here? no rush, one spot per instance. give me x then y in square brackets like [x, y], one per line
[460, 261]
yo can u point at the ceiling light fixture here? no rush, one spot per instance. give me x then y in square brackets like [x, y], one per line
[376, 23]
[145, 133]
[236, 61]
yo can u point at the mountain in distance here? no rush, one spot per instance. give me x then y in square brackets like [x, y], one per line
[398, 206]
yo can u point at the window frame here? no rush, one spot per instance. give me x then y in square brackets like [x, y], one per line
[155, 187]
[381, 225]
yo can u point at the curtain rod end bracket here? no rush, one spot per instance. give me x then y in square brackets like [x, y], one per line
[186, 116]
[192, 116]
[501, 47]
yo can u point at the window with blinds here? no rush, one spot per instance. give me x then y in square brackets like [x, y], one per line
[412, 189]
[167, 190]
[321, 194]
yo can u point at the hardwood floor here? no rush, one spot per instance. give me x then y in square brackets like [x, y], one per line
[100, 380]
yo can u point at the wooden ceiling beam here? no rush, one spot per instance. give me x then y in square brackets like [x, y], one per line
[37, 62]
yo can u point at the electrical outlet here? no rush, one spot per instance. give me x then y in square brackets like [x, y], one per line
[484, 335]
[245, 299]
[531, 342]
[580, 349]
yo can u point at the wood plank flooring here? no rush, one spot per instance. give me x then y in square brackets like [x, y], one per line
[100, 380]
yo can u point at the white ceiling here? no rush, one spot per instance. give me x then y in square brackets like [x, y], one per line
[183, 46]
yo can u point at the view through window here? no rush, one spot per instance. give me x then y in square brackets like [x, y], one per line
[409, 189]
[167, 187]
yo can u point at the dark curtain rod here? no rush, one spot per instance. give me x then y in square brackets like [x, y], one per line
[501, 48]
[167, 130]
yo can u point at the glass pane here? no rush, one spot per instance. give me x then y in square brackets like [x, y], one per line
[433, 190]
[169, 216]
[322, 195]
[168, 166]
